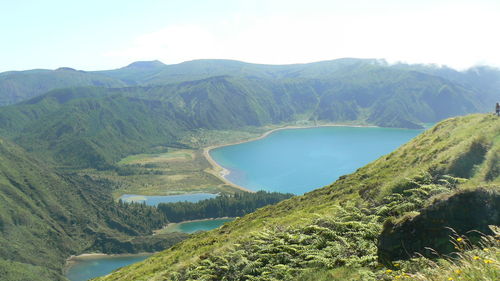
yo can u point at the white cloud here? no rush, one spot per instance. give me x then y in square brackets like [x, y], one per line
[459, 36]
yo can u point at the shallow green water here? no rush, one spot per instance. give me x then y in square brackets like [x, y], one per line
[194, 226]
[91, 267]
[300, 160]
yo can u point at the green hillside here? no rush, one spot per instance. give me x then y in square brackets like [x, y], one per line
[484, 80]
[16, 86]
[95, 127]
[45, 216]
[136, 72]
[333, 233]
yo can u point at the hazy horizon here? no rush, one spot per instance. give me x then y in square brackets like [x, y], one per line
[98, 35]
[381, 60]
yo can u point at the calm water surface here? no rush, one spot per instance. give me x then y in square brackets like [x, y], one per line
[91, 267]
[194, 226]
[155, 200]
[300, 160]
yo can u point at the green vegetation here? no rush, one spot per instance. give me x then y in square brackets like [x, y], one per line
[175, 172]
[45, 216]
[235, 205]
[470, 261]
[333, 231]
[136, 72]
[144, 159]
[16, 86]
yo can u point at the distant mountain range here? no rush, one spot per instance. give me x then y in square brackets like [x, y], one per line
[16, 86]
[95, 126]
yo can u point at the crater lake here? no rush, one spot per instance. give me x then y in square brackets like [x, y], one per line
[301, 160]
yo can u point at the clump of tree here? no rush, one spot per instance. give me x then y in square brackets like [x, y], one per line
[235, 205]
[140, 217]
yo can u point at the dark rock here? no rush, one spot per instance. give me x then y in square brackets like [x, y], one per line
[462, 212]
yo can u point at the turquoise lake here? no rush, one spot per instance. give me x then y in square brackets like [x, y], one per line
[300, 160]
[155, 200]
[90, 267]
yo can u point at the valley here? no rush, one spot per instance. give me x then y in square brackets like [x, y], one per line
[70, 151]
[303, 142]
[249, 140]
[331, 232]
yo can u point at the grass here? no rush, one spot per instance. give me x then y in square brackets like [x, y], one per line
[142, 159]
[469, 263]
[171, 173]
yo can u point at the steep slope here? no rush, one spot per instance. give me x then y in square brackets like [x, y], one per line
[334, 230]
[93, 127]
[16, 86]
[46, 216]
[483, 80]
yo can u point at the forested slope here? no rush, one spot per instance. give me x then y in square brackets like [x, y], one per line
[45, 216]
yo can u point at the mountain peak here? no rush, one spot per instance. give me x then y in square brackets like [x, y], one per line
[65, 69]
[146, 64]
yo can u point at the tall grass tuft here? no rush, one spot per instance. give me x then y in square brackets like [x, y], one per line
[471, 261]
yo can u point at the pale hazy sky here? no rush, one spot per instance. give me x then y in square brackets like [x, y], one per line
[106, 34]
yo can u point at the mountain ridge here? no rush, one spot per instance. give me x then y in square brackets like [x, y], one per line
[157, 73]
[115, 122]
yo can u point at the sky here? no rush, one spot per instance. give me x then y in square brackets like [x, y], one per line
[108, 34]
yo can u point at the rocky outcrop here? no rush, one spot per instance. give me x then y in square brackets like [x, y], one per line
[431, 230]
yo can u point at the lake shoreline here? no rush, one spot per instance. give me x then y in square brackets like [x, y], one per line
[221, 172]
[173, 224]
[73, 259]
[102, 255]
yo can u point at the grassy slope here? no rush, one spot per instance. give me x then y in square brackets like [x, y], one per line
[136, 72]
[436, 151]
[46, 216]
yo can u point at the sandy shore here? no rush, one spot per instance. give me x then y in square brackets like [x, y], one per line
[101, 255]
[221, 172]
[89, 256]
